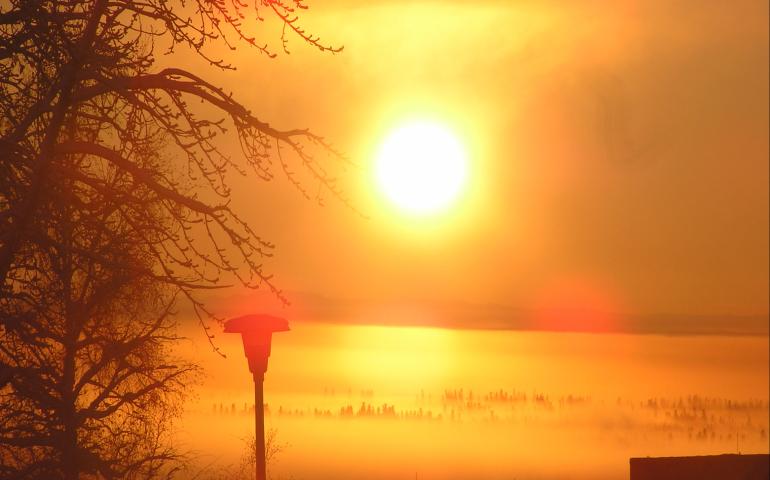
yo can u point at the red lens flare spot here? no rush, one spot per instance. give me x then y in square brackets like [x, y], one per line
[580, 305]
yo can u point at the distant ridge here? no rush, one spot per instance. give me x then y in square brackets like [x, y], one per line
[463, 315]
[471, 316]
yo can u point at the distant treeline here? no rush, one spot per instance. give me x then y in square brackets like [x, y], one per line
[694, 417]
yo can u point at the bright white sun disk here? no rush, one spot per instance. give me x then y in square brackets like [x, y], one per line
[421, 167]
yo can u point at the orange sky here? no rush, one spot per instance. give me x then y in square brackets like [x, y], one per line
[618, 152]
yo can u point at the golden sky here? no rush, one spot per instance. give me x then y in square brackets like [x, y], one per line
[618, 153]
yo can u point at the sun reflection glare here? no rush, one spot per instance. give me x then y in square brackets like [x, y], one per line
[401, 358]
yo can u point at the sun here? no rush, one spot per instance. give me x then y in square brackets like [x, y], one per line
[421, 167]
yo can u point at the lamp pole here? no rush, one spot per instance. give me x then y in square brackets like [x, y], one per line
[256, 332]
[259, 426]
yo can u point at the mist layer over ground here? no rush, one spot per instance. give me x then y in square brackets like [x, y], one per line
[399, 402]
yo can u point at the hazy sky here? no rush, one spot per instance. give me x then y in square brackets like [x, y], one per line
[619, 153]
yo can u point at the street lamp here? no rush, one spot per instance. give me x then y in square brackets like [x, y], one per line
[257, 331]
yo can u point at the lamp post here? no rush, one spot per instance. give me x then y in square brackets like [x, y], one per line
[257, 332]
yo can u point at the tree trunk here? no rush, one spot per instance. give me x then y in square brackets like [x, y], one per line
[68, 447]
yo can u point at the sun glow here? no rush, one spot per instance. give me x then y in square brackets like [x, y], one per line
[421, 167]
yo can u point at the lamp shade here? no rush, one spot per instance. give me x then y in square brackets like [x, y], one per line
[257, 332]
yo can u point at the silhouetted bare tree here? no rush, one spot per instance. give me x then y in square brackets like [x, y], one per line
[114, 202]
[244, 470]
[92, 64]
[89, 384]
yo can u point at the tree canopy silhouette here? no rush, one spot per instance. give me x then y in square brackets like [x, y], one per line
[92, 65]
[114, 203]
[90, 385]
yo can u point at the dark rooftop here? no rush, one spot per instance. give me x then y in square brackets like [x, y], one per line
[708, 467]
